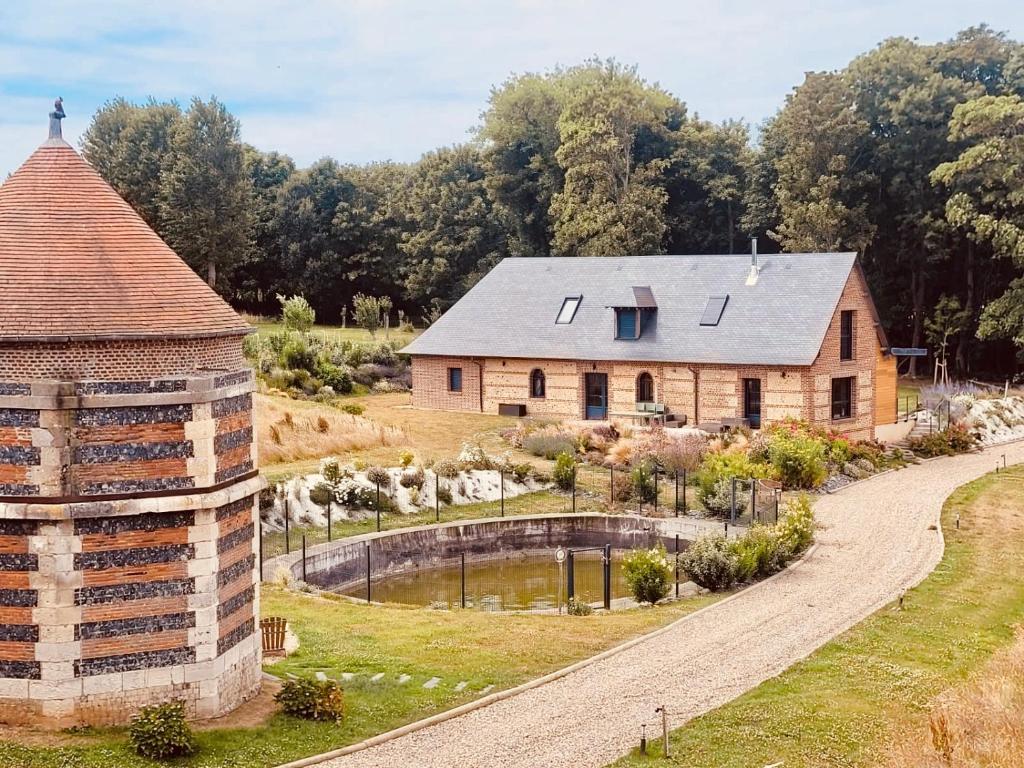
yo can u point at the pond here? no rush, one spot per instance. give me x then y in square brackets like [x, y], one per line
[517, 582]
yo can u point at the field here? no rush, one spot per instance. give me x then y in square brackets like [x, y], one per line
[500, 650]
[337, 333]
[874, 686]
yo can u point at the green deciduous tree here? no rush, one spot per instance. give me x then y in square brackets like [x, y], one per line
[205, 194]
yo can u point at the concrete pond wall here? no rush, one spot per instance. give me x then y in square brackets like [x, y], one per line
[341, 564]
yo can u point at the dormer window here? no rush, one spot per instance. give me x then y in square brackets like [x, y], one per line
[568, 310]
[627, 323]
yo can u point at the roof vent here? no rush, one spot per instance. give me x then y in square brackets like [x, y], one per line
[755, 269]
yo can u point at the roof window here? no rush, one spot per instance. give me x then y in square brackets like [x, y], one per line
[714, 309]
[568, 311]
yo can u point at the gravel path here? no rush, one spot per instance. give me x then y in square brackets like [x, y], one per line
[874, 542]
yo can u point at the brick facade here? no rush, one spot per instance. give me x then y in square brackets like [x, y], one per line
[701, 392]
[128, 514]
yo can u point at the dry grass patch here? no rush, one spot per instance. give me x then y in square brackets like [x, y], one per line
[292, 430]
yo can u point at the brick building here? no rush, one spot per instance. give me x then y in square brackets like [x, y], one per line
[128, 481]
[711, 339]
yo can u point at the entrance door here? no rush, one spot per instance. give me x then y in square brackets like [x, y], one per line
[752, 402]
[596, 386]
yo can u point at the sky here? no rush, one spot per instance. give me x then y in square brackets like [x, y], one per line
[365, 80]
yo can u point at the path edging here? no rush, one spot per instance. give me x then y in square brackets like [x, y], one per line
[493, 698]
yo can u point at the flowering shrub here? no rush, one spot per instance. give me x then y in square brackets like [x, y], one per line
[473, 456]
[413, 477]
[798, 459]
[379, 476]
[952, 441]
[710, 562]
[349, 493]
[648, 574]
[447, 468]
[578, 607]
[759, 553]
[549, 444]
[641, 482]
[796, 525]
[725, 466]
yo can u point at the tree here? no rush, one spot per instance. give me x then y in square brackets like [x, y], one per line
[454, 234]
[205, 194]
[987, 180]
[129, 146]
[296, 313]
[368, 312]
[612, 203]
[948, 319]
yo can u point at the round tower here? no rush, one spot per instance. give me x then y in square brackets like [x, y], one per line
[128, 480]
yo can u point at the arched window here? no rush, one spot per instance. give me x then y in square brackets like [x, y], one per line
[536, 383]
[645, 388]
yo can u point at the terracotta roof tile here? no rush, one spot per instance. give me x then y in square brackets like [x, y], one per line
[76, 261]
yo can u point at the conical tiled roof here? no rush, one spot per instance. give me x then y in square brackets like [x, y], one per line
[77, 262]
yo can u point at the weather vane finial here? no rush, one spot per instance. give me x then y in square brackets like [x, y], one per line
[55, 117]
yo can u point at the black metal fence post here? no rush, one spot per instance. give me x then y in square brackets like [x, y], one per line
[463, 579]
[732, 503]
[437, 498]
[675, 504]
[367, 573]
[574, 489]
[684, 491]
[502, 481]
[329, 505]
[677, 565]
[753, 499]
[607, 577]
[378, 506]
[611, 485]
[303, 557]
[570, 576]
[287, 543]
[261, 552]
[655, 470]
[777, 507]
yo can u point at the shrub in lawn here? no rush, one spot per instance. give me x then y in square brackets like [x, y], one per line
[473, 456]
[334, 376]
[798, 460]
[296, 313]
[351, 494]
[549, 444]
[161, 732]
[355, 409]
[521, 472]
[641, 482]
[648, 574]
[381, 354]
[710, 562]
[578, 607]
[447, 468]
[297, 355]
[682, 453]
[565, 470]
[312, 699]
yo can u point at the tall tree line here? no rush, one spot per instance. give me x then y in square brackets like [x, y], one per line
[912, 155]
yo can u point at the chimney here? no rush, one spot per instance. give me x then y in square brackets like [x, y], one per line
[755, 270]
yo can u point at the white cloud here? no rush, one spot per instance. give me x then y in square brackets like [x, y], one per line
[377, 79]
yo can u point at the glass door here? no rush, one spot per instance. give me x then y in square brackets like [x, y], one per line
[752, 402]
[596, 385]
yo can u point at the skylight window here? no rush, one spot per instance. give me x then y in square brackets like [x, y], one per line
[568, 311]
[713, 311]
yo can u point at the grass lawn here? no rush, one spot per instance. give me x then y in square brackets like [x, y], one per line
[337, 636]
[848, 701]
[337, 333]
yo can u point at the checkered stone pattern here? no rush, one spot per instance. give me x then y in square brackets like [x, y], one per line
[128, 522]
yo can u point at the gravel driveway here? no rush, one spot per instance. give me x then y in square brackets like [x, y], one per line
[874, 542]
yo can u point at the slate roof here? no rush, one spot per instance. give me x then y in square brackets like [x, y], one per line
[77, 262]
[780, 320]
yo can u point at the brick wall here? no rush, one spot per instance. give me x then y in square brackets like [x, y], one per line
[119, 360]
[702, 392]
